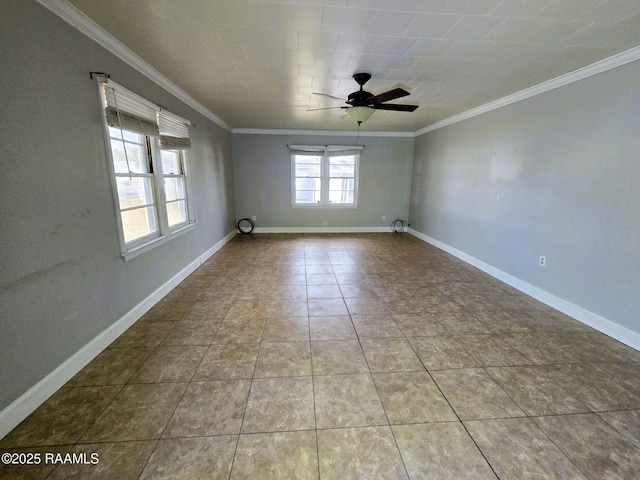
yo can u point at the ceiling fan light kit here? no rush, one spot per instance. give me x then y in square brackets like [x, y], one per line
[360, 114]
[362, 104]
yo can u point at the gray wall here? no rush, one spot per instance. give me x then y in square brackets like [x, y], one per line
[557, 175]
[262, 173]
[62, 280]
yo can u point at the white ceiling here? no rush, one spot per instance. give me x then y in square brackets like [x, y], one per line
[255, 64]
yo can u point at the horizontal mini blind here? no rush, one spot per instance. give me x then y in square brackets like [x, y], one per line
[129, 111]
[329, 149]
[174, 131]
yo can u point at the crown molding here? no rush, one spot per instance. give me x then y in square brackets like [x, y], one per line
[617, 60]
[82, 23]
[333, 133]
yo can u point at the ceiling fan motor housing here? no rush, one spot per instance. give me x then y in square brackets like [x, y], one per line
[359, 98]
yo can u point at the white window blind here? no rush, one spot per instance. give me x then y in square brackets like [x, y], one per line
[174, 131]
[128, 111]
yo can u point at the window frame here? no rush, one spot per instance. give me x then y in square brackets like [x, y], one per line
[325, 152]
[164, 232]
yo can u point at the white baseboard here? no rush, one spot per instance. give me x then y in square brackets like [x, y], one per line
[604, 325]
[23, 406]
[322, 230]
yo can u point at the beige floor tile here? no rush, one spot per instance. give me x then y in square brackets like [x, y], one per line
[345, 268]
[63, 418]
[412, 397]
[592, 386]
[113, 366]
[191, 458]
[337, 327]
[293, 292]
[248, 309]
[143, 334]
[502, 322]
[461, 323]
[593, 446]
[473, 394]
[587, 347]
[442, 351]
[620, 350]
[537, 348]
[366, 306]
[210, 408]
[191, 332]
[283, 359]
[240, 331]
[319, 269]
[357, 291]
[517, 448]
[218, 304]
[351, 279]
[379, 332]
[491, 351]
[440, 451]
[364, 453]
[626, 422]
[167, 311]
[279, 404]
[291, 279]
[347, 401]
[122, 460]
[279, 308]
[437, 304]
[422, 325]
[625, 375]
[327, 307]
[228, 361]
[202, 312]
[540, 321]
[390, 355]
[383, 320]
[323, 291]
[170, 364]
[280, 455]
[321, 279]
[477, 303]
[138, 412]
[535, 392]
[286, 329]
[337, 357]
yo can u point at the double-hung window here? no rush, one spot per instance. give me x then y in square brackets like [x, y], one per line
[149, 165]
[324, 175]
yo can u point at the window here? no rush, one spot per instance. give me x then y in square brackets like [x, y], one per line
[149, 163]
[324, 175]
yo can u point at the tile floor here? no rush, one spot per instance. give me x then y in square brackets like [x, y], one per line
[371, 356]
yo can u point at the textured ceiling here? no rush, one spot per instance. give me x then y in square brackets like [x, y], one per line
[256, 64]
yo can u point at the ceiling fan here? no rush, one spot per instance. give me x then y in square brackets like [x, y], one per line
[362, 104]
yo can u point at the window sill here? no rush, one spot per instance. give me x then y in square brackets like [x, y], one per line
[140, 249]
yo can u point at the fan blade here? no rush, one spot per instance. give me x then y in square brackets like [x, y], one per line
[395, 106]
[390, 95]
[330, 96]
[325, 108]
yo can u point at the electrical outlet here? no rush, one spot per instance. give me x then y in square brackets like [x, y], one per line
[324, 224]
[253, 218]
[384, 218]
[543, 261]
